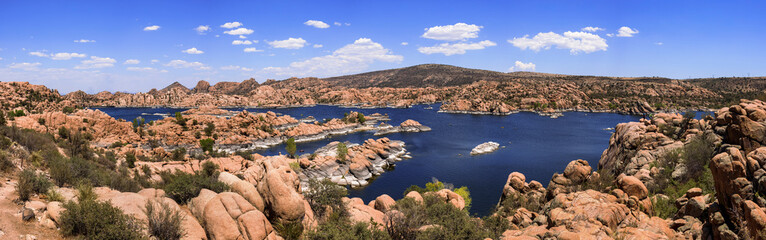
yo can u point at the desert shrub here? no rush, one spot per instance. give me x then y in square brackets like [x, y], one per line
[5, 162]
[360, 118]
[123, 182]
[91, 219]
[697, 153]
[342, 151]
[463, 192]
[32, 140]
[31, 183]
[181, 121]
[244, 154]
[448, 222]
[5, 142]
[323, 195]
[495, 225]
[206, 144]
[53, 195]
[289, 230]
[664, 207]
[209, 128]
[342, 228]
[2, 119]
[604, 183]
[63, 132]
[513, 202]
[179, 154]
[182, 186]
[130, 159]
[78, 145]
[163, 221]
[406, 224]
[290, 147]
[68, 110]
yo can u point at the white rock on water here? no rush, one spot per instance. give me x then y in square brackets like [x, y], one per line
[486, 147]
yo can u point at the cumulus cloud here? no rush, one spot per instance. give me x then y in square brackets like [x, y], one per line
[96, 62]
[252, 49]
[231, 25]
[58, 56]
[353, 57]
[318, 45]
[132, 61]
[576, 42]
[84, 41]
[239, 31]
[290, 43]
[202, 29]
[25, 66]
[234, 67]
[316, 24]
[140, 69]
[337, 24]
[592, 29]
[240, 42]
[520, 66]
[626, 32]
[66, 56]
[152, 28]
[405, 43]
[193, 51]
[242, 37]
[184, 64]
[456, 48]
[458, 31]
[39, 54]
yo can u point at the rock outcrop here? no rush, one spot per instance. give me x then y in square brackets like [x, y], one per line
[486, 147]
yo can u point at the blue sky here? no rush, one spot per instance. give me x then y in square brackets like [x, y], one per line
[39, 40]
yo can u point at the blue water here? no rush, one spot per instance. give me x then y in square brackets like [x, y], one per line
[535, 145]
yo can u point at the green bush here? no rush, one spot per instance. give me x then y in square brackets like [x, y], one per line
[182, 186]
[6, 164]
[206, 144]
[290, 147]
[91, 219]
[2, 119]
[164, 221]
[209, 129]
[325, 195]
[179, 154]
[289, 230]
[130, 159]
[53, 195]
[342, 151]
[31, 183]
[342, 228]
[463, 192]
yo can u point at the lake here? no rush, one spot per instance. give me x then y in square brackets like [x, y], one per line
[534, 145]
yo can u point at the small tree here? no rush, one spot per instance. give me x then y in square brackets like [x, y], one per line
[290, 147]
[209, 129]
[342, 151]
[2, 119]
[180, 120]
[206, 144]
[360, 118]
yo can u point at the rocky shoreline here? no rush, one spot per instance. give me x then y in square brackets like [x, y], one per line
[362, 162]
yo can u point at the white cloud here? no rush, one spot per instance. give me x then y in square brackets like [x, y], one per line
[234, 67]
[347, 24]
[520, 66]
[58, 56]
[140, 69]
[193, 51]
[456, 48]
[184, 64]
[252, 49]
[458, 31]
[659, 43]
[242, 37]
[155, 61]
[66, 56]
[231, 25]
[592, 29]
[290, 43]
[39, 54]
[25, 66]
[576, 42]
[610, 34]
[239, 31]
[240, 42]
[318, 45]
[152, 28]
[626, 32]
[1, 58]
[350, 58]
[96, 62]
[132, 61]
[316, 24]
[202, 29]
[337, 24]
[405, 43]
[84, 41]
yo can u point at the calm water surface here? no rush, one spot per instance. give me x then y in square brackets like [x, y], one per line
[535, 145]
